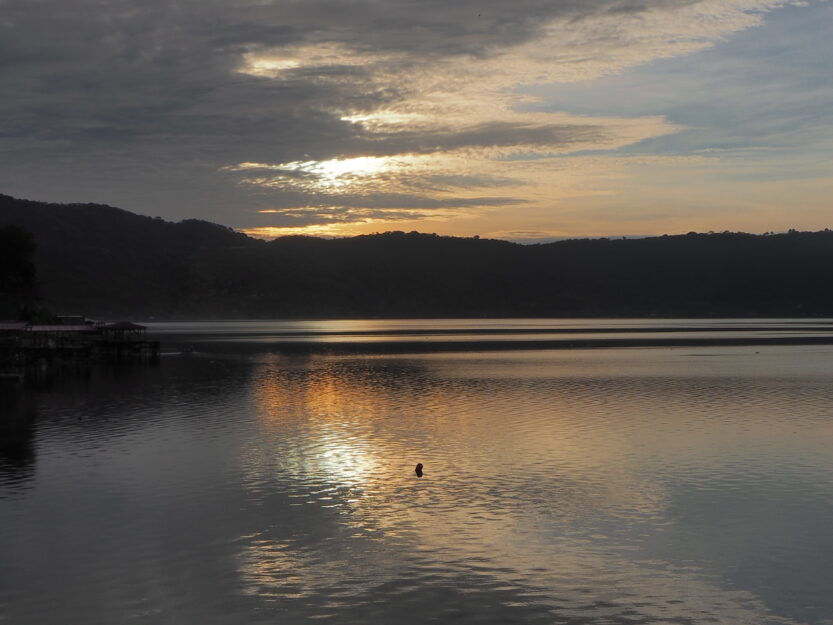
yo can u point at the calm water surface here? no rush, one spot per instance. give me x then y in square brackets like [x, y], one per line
[237, 482]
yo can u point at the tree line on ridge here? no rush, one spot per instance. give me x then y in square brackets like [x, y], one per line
[106, 262]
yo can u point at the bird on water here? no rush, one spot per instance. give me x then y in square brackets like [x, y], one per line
[418, 470]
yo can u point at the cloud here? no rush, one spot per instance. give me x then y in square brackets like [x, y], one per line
[170, 103]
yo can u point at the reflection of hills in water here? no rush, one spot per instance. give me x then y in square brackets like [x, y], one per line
[83, 412]
[17, 438]
[418, 335]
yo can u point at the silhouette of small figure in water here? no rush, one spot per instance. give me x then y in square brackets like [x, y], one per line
[418, 470]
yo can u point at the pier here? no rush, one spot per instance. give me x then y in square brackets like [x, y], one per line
[71, 342]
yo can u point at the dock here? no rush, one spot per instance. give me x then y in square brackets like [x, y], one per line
[71, 342]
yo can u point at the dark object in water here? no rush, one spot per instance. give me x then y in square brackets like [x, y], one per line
[418, 470]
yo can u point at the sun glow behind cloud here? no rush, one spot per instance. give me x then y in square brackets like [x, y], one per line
[278, 63]
[454, 125]
[329, 175]
[445, 186]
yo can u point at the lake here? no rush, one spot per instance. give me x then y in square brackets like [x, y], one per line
[575, 472]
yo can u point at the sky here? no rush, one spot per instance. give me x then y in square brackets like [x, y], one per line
[525, 120]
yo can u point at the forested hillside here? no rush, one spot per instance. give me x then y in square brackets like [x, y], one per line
[106, 262]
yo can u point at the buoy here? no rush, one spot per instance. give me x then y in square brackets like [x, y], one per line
[418, 470]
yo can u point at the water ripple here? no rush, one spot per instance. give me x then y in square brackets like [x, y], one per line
[613, 486]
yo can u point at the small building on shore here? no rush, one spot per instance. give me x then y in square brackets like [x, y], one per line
[125, 340]
[59, 335]
[72, 340]
[124, 331]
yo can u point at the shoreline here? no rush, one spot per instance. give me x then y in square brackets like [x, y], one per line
[195, 344]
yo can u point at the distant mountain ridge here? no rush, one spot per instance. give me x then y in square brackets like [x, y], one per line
[107, 262]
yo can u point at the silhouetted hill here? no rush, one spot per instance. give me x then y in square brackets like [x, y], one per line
[103, 261]
[97, 259]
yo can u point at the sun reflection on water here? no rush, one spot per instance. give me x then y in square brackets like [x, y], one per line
[364, 425]
[527, 488]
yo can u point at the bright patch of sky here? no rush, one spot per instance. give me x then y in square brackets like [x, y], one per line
[523, 120]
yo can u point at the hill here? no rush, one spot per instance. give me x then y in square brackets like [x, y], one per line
[106, 262]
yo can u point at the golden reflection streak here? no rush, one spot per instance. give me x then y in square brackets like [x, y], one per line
[345, 415]
[358, 467]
